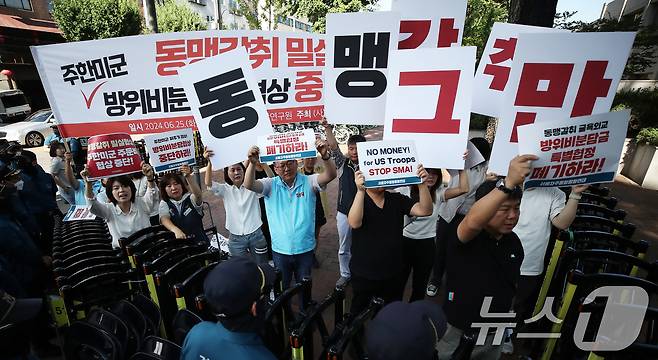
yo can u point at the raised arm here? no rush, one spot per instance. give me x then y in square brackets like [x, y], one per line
[564, 219]
[329, 133]
[68, 171]
[355, 216]
[192, 184]
[485, 208]
[152, 197]
[329, 165]
[250, 176]
[424, 206]
[462, 189]
[96, 207]
[207, 179]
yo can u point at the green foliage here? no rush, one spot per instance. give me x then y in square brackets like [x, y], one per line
[249, 9]
[479, 122]
[646, 40]
[480, 17]
[173, 17]
[316, 10]
[647, 136]
[97, 19]
[642, 102]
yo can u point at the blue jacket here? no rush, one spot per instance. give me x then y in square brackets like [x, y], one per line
[212, 341]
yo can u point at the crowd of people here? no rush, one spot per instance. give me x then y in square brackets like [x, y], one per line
[479, 230]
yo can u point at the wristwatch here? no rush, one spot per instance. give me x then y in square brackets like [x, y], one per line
[500, 185]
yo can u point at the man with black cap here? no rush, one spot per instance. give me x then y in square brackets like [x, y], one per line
[237, 292]
[406, 331]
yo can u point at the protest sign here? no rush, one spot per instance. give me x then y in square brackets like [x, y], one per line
[224, 98]
[112, 155]
[129, 84]
[429, 102]
[495, 65]
[79, 212]
[359, 46]
[474, 156]
[556, 76]
[576, 151]
[430, 23]
[170, 150]
[292, 145]
[388, 163]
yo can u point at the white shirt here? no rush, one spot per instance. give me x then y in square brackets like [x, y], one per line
[538, 207]
[421, 227]
[141, 185]
[121, 224]
[163, 209]
[241, 206]
[462, 203]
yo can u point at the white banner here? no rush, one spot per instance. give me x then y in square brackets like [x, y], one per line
[430, 23]
[170, 150]
[79, 212]
[429, 101]
[292, 145]
[224, 97]
[129, 84]
[388, 163]
[577, 151]
[359, 46]
[495, 65]
[556, 76]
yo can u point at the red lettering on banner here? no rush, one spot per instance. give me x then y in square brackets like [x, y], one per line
[508, 47]
[593, 85]
[500, 73]
[442, 123]
[448, 34]
[557, 75]
[500, 76]
[522, 118]
[419, 29]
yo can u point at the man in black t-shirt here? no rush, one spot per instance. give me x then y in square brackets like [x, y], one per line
[484, 258]
[377, 219]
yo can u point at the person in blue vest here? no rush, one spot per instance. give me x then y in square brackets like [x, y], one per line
[181, 212]
[237, 293]
[290, 203]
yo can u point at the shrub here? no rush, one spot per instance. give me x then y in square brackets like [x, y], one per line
[644, 112]
[647, 136]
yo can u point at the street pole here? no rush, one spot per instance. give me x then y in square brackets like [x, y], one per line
[151, 17]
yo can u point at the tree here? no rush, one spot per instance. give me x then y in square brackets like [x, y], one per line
[316, 10]
[96, 19]
[480, 17]
[249, 10]
[173, 17]
[532, 12]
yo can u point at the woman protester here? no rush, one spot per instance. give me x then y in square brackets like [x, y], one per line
[243, 220]
[58, 169]
[126, 213]
[181, 211]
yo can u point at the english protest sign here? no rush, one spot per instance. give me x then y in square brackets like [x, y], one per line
[388, 163]
[574, 151]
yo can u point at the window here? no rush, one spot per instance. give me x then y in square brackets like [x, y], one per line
[17, 4]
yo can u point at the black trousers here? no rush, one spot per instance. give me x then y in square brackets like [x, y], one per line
[525, 298]
[442, 234]
[419, 256]
[364, 290]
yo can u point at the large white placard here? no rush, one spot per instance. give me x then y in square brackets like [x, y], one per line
[359, 48]
[388, 163]
[578, 151]
[170, 150]
[129, 84]
[556, 76]
[495, 65]
[224, 98]
[430, 23]
[429, 101]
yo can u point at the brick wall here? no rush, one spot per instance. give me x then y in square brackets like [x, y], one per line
[39, 10]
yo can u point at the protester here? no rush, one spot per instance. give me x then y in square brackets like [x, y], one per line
[57, 170]
[541, 208]
[15, 324]
[237, 292]
[377, 219]
[141, 186]
[420, 232]
[243, 220]
[181, 212]
[346, 167]
[308, 168]
[78, 190]
[406, 331]
[290, 203]
[125, 214]
[484, 258]
[452, 211]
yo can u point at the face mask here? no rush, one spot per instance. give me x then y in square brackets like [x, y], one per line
[19, 185]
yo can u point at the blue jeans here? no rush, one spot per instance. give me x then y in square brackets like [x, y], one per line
[298, 265]
[254, 243]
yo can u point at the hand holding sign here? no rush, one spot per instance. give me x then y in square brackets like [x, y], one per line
[519, 168]
[253, 154]
[147, 170]
[359, 180]
[422, 173]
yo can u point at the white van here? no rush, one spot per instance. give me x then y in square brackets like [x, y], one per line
[13, 106]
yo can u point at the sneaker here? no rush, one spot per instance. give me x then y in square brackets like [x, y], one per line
[507, 347]
[432, 290]
[342, 281]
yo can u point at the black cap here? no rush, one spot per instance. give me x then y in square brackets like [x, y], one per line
[13, 311]
[406, 331]
[235, 284]
[9, 169]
